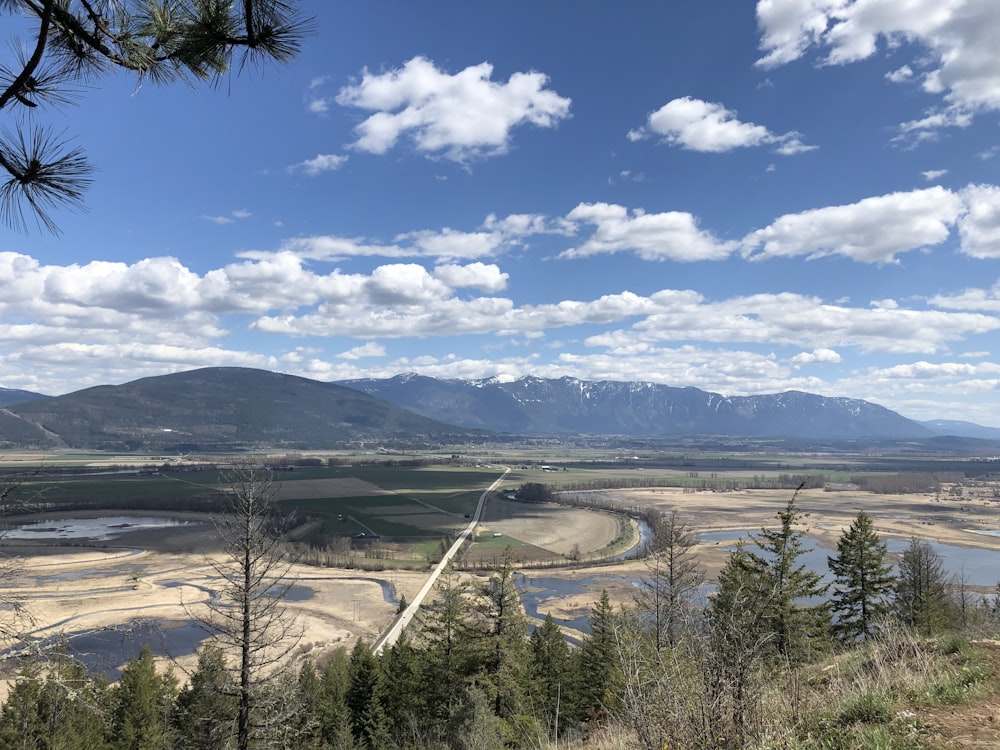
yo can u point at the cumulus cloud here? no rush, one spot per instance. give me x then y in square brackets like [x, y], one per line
[958, 41]
[796, 320]
[673, 235]
[485, 278]
[979, 227]
[156, 315]
[458, 116]
[698, 125]
[932, 174]
[319, 164]
[872, 230]
[816, 356]
[449, 244]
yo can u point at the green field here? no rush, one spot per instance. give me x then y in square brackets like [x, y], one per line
[439, 496]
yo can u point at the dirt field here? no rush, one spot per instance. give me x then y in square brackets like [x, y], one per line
[550, 526]
[308, 489]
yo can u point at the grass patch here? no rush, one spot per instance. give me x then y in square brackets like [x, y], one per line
[866, 707]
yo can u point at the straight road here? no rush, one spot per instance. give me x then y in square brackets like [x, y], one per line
[390, 636]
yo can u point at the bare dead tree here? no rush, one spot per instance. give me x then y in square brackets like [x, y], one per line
[673, 579]
[249, 616]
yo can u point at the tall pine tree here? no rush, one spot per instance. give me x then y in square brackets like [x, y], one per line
[143, 701]
[785, 585]
[862, 583]
[550, 673]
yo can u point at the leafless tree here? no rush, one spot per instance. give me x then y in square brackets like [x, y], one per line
[668, 590]
[249, 616]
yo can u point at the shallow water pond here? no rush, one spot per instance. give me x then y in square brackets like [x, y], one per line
[98, 529]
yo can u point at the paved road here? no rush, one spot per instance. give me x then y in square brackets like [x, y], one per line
[390, 636]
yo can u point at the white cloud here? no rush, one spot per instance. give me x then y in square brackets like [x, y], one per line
[903, 74]
[928, 370]
[231, 218]
[958, 38]
[708, 126]
[788, 319]
[449, 244]
[316, 102]
[872, 230]
[497, 235]
[985, 300]
[932, 174]
[319, 164]
[459, 117]
[816, 356]
[485, 278]
[366, 350]
[156, 315]
[673, 235]
[403, 284]
[979, 227]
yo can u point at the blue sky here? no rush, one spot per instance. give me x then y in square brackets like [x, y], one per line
[797, 194]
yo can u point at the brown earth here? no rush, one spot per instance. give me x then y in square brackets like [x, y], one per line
[970, 726]
[167, 575]
[550, 526]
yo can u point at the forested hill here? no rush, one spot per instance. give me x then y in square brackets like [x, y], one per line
[214, 409]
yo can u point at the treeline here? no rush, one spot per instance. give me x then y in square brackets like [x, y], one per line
[905, 483]
[695, 481]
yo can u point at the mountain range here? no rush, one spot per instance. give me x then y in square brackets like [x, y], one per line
[226, 408]
[535, 406]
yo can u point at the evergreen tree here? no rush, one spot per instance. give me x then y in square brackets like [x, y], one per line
[205, 710]
[365, 700]
[863, 582]
[596, 659]
[551, 667]
[503, 640]
[448, 658]
[72, 708]
[740, 638]
[21, 725]
[783, 584]
[143, 700]
[920, 598]
[673, 580]
[308, 725]
[402, 681]
[334, 716]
